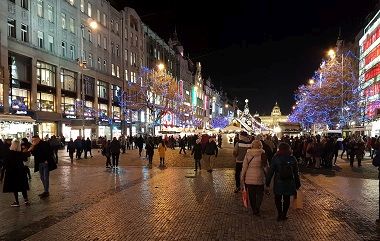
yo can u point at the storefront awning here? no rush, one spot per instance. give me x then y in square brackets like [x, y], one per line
[16, 118]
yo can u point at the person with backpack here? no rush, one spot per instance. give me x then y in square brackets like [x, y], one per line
[253, 175]
[240, 151]
[284, 168]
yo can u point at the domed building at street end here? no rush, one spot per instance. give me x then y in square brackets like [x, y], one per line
[272, 121]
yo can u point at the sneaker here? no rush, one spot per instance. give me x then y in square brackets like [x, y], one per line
[15, 204]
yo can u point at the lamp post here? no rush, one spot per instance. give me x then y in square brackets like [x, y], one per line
[83, 63]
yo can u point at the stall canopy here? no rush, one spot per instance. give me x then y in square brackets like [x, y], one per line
[16, 118]
[232, 129]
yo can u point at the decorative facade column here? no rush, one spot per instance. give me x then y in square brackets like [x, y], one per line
[33, 90]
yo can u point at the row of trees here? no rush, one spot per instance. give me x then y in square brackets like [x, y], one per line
[333, 96]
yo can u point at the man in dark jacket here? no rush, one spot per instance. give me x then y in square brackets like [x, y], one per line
[149, 146]
[87, 147]
[71, 149]
[115, 152]
[210, 150]
[140, 144]
[79, 147]
[43, 161]
[197, 151]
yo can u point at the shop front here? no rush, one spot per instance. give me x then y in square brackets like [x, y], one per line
[104, 130]
[13, 126]
[47, 123]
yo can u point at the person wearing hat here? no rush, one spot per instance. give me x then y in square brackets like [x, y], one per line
[240, 149]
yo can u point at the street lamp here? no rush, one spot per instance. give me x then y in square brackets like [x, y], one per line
[332, 54]
[311, 81]
[82, 63]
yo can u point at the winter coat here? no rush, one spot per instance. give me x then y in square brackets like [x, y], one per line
[211, 148]
[253, 171]
[15, 178]
[115, 146]
[42, 152]
[197, 151]
[149, 148]
[88, 145]
[241, 148]
[161, 150]
[280, 186]
[71, 146]
[78, 144]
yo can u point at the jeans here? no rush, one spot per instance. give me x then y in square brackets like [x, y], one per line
[115, 159]
[256, 193]
[162, 161]
[182, 148]
[282, 206]
[238, 168]
[208, 160]
[24, 195]
[197, 164]
[44, 175]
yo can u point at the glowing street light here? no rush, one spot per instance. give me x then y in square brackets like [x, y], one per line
[331, 53]
[311, 81]
[161, 67]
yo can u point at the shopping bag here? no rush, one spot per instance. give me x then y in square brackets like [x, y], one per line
[298, 200]
[244, 195]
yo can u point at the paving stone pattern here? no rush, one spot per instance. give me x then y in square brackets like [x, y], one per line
[178, 205]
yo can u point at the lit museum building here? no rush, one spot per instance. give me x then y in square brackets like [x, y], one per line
[66, 64]
[369, 72]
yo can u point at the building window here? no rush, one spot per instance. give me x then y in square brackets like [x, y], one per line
[111, 25]
[131, 58]
[90, 63]
[98, 15]
[24, 33]
[89, 85]
[63, 20]
[126, 55]
[11, 28]
[99, 40]
[113, 69]
[64, 48]
[117, 50]
[82, 6]
[68, 80]
[72, 52]
[117, 71]
[99, 64]
[116, 112]
[45, 102]
[102, 90]
[90, 36]
[104, 20]
[51, 43]
[72, 25]
[133, 77]
[40, 8]
[89, 9]
[24, 4]
[40, 36]
[105, 42]
[126, 75]
[72, 2]
[68, 105]
[50, 13]
[88, 109]
[103, 112]
[105, 65]
[19, 99]
[117, 27]
[45, 74]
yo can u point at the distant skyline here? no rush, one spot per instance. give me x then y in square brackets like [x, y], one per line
[260, 50]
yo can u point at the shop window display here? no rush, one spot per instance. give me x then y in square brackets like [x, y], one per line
[68, 106]
[45, 102]
[19, 99]
[116, 112]
[103, 113]
[45, 74]
[89, 109]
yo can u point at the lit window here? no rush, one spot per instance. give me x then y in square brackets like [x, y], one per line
[104, 19]
[126, 55]
[113, 69]
[40, 8]
[11, 28]
[126, 75]
[45, 102]
[102, 90]
[117, 27]
[117, 71]
[82, 6]
[40, 36]
[99, 64]
[45, 74]
[89, 9]
[24, 33]
[105, 43]
[98, 15]
[72, 2]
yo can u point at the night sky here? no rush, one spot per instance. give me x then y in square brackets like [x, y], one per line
[256, 49]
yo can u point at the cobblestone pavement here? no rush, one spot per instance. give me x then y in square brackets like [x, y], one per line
[89, 202]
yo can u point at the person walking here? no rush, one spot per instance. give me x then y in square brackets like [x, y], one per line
[123, 143]
[71, 149]
[140, 144]
[239, 152]
[182, 144]
[55, 144]
[106, 152]
[78, 147]
[210, 150]
[87, 147]
[115, 152]
[284, 168]
[14, 175]
[43, 162]
[253, 175]
[161, 152]
[149, 146]
[197, 152]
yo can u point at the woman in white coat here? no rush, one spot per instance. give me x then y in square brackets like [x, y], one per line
[253, 175]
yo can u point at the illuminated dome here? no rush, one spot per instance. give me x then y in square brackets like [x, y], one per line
[276, 110]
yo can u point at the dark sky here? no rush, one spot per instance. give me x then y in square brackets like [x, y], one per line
[256, 49]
